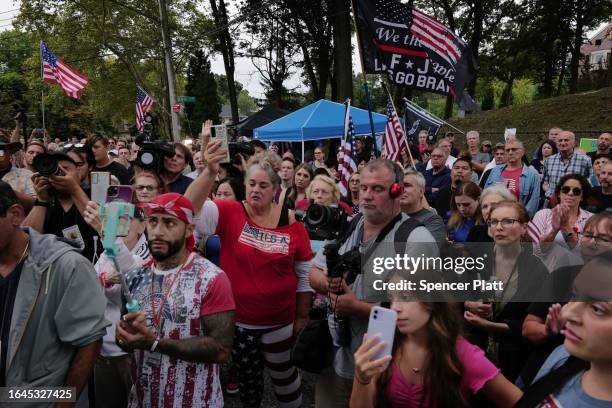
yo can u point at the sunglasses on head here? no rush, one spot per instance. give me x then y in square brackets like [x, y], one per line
[575, 190]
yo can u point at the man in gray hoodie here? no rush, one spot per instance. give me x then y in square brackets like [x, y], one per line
[52, 307]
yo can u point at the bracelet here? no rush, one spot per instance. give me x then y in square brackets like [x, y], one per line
[361, 382]
[38, 203]
[155, 343]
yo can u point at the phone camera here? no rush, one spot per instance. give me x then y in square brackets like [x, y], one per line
[113, 191]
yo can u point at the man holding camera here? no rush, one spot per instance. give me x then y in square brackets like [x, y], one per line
[382, 222]
[176, 181]
[60, 206]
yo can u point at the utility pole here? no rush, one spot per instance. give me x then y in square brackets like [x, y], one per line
[176, 126]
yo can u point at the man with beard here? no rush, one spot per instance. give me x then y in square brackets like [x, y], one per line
[185, 327]
[601, 196]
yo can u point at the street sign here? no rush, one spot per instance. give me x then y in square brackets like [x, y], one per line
[177, 107]
[187, 99]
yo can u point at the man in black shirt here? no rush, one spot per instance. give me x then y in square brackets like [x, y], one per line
[60, 205]
[604, 146]
[97, 147]
[176, 181]
[601, 196]
[461, 173]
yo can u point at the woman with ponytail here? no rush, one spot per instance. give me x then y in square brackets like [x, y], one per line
[431, 364]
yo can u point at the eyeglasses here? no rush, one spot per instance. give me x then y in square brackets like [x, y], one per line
[148, 188]
[599, 240]
[506, 222]
[575, 190]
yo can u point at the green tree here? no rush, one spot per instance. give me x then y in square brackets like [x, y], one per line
[201, 83]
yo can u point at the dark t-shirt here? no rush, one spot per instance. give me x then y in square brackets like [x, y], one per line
[8, 293]
[117, 170]
[598, 201]
[180, 184]
[57, 221]
[443, 202]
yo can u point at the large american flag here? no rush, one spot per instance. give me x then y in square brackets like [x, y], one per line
[55, 71]
[395, 140]
[143, 104]
[435, 36]
[346, 163]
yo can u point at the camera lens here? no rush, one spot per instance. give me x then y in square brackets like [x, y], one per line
[113, 191]
[147, 158]
[45, 164]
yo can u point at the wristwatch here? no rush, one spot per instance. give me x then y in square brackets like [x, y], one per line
[38, 203]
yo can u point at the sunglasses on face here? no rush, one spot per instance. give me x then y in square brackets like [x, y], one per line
[575, 190]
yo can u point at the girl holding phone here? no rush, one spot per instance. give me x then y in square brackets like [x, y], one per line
[431, 364]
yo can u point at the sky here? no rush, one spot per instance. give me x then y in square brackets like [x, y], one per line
[245, 72]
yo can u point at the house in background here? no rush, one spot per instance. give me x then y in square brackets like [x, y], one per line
[226, 115]
[597, 51]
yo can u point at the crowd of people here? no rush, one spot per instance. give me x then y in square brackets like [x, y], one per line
[228, 275]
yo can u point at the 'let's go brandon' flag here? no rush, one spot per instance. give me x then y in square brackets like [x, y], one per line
[412, 48]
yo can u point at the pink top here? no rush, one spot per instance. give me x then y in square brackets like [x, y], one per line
[477, 371]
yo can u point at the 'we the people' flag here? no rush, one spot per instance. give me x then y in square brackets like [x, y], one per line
[55, 71]
[412, 48]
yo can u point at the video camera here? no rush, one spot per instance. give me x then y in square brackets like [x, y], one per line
[152, 151]
[323, 221]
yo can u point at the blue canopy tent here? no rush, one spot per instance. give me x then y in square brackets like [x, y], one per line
[320, 120]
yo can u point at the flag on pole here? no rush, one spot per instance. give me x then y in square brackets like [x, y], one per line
[395, 140]
[346, 163]
[417, 119]
[55, 71]
[412, 48]
[143, 104]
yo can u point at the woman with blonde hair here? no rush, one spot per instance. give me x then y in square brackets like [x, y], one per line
[322, 190]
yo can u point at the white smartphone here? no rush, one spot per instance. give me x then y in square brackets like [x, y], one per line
[100, 180]
[382, 324]
[220, 132]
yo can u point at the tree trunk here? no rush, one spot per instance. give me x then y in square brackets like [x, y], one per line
[299, 36]
[448, 106]
[506, 96]
[227, 50]
[476, 39]
[609, 79]
[575, 61]
[343, 52]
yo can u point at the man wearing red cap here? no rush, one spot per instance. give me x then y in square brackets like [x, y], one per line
[185, 325]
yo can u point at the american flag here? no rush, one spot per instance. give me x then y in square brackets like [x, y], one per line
[143, 104]
[435, 36]
[395, 140]
[346, 163]
[55, 71]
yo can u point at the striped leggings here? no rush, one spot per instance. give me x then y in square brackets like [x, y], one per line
[255, 347]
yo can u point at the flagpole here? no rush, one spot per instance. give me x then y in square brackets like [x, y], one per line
[42, 90]
[405, 138]
[433, 116]
[365, 81]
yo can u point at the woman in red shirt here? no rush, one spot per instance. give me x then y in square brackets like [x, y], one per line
[266, 255]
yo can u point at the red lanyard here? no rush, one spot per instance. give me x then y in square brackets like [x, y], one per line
[157, 317]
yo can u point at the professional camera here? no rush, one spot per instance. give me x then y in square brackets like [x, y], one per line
[323, 222]
[46, 164]
[152, 151]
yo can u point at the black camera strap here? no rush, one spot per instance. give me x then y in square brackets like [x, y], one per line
[401, 235]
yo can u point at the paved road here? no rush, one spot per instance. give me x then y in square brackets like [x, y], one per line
[269, 401]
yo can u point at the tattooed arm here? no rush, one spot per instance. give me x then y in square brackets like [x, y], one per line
[133, 333]
[215, 347]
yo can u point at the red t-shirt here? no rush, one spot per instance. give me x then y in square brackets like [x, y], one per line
[260, 265]
[512, 180]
